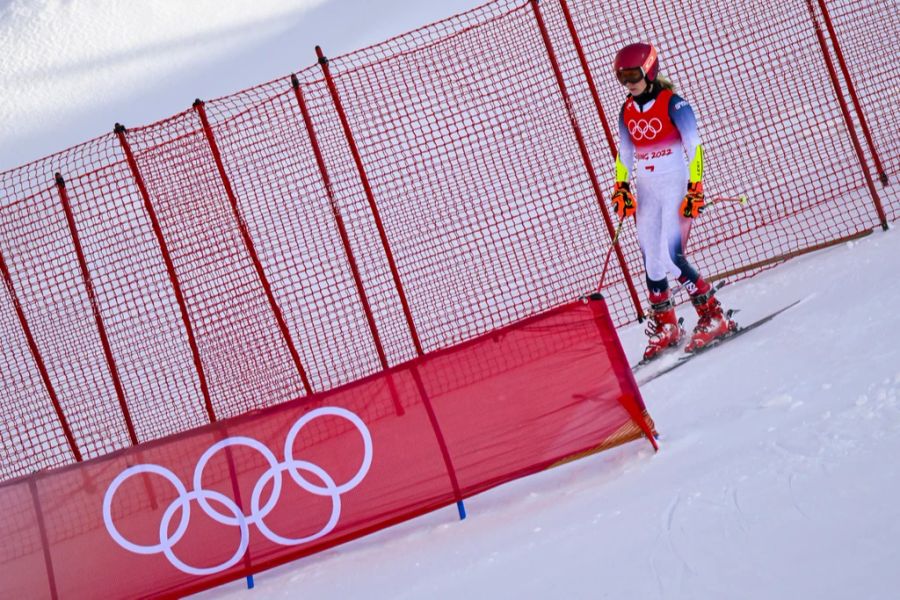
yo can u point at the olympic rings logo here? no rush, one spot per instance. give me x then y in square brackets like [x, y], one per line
[235, 516]
[644, 129]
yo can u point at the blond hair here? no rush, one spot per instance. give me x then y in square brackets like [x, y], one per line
[665, 83]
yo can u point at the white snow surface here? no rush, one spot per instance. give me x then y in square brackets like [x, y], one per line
[71, 69]
[776, 475]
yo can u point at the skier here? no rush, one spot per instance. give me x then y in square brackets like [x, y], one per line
[659, 147]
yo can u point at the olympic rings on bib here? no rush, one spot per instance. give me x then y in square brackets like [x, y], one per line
[233, 515]
[642, 129]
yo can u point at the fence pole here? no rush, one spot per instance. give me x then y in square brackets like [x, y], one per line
[345, 237]
[170, 269]
[585, 155]
[589, 76]
[441, 440]
[38, 359]
[339, 220]
[882, 175]
[846, 113]
[251, 250]
[630, 402]
[185, 317]
[95, 307]
[370, 196]
[45, 540]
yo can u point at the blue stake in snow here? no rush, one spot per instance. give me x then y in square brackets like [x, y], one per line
[462, 510]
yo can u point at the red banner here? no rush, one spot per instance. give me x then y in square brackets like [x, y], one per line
[196, 509]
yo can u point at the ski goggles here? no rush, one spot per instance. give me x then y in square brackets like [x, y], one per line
[632, 75]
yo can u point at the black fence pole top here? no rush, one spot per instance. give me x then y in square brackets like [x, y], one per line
[323, 60]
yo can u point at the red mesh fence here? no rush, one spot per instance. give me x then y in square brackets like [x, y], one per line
[865, 35]
[33, 436]
[49, 287]
[220, 291]
[489, 220]
[284, 202]
[136, 299]
[245, 358]
[182, 514]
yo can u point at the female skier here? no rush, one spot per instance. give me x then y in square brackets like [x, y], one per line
[659, 147]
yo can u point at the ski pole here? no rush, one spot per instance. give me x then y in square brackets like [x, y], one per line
[741, 199]
[615, 241]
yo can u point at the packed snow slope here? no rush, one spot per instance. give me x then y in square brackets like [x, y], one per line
[775, 478]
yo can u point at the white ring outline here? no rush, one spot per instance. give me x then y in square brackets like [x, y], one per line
[201, 465]
[335, 503]
[257, 513]
[333, 411]
[107, 509]
[642, 128]
[168, 550]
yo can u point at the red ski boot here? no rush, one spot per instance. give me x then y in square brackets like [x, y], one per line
[663, 328]
[713, 323]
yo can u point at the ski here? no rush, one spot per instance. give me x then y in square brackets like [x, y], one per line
[667, 351]
[730, 336]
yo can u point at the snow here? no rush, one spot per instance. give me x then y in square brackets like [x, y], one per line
[71, 69]
[775, 477]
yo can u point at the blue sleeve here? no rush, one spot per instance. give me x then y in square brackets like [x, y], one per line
[682, 116]
[626, 146]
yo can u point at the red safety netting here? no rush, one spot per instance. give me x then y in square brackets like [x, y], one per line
[182, 514]
[245, 358]
[475, 171]
[138, 305]
[864, 33]
[283, 198]
[402, 199]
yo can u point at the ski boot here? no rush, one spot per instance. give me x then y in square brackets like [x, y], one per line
[713, 323]
[663, 329]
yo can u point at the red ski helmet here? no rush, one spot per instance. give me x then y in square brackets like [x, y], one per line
[636, 61]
